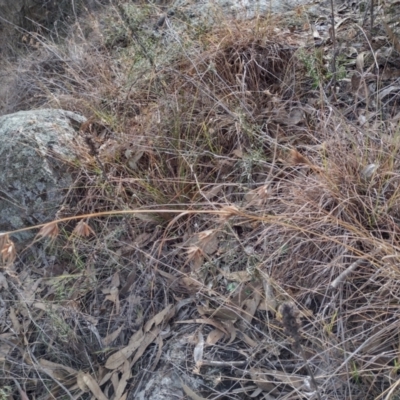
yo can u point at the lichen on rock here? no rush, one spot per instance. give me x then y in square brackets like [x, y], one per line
[36, 148]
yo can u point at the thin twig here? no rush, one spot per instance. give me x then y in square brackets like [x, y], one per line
[346, 273]
[224, 363]
[350, 269]
[372, 16]
[333, 37]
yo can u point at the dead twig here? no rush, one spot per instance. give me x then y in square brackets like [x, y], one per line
[349, 270]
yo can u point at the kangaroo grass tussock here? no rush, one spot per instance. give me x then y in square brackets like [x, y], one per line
[217, 196]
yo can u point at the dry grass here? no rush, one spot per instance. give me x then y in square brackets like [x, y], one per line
[233, 221]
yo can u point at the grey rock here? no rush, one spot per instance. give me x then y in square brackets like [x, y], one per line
[36, 148]
[165, 383]
[161, 386]
[203, 11]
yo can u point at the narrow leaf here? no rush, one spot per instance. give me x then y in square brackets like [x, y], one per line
[158, 318]
[118, 358]
[94, 387]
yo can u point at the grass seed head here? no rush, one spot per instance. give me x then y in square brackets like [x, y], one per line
[49, 230]
[7, 249]
[83, 229]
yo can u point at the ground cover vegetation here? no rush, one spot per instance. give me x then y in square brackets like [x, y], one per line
[234, 223]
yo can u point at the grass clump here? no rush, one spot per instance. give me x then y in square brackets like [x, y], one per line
[231, 223]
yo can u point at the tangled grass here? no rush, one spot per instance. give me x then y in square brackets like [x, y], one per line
[230, 222]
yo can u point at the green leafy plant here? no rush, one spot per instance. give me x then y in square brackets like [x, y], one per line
[5, 392]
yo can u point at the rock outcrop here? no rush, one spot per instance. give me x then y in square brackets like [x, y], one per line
[36, 148]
